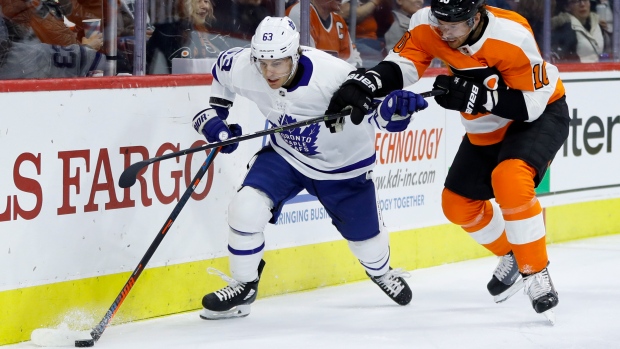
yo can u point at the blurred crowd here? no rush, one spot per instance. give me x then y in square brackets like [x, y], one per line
[54, 38]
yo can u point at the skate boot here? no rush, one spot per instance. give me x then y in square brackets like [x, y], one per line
[393, 284]
[504, 283]
[233, 300]
[543, 295]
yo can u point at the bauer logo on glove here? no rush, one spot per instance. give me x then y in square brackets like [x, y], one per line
[461, 94]
[472, 100]
[357, 91]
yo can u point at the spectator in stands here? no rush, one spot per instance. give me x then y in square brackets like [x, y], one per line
[577, 35]
[605, 13]
[370, 46]
[97, 9]
[26, 26]
[402, 15]
[534, 12]
[501, 4]
[250, 13]
[239, 18]
[328, 30]
[38, 60]
[384, 17]
[80, 10]
[187, 38]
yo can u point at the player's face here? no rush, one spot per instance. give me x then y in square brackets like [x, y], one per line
[275, 71]
[455, 33]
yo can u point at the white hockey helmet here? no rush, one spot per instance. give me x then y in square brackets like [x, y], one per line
[275, 38]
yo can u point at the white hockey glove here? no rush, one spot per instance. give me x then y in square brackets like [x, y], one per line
[396, 111]
[209, 124]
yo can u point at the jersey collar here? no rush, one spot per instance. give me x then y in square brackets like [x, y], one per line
[303, 74]
[472, 49]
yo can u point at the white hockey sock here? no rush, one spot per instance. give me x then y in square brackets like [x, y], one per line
[244, 254]
[248, 213]
[373, 254]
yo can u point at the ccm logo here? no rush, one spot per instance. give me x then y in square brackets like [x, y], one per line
[472, 99]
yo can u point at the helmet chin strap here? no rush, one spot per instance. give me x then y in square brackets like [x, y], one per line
[476, 31]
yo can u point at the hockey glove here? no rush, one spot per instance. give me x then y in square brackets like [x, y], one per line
[210, 125]
[461, 94]
[395, 112]
[357, 91]
[335, 125]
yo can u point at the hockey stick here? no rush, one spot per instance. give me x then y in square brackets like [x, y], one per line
[128, 177]
[98, 330]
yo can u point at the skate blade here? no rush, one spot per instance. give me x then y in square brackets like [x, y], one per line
[238, 311]
[550, 316]
[516, 287]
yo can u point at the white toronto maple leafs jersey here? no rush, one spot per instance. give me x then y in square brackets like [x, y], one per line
[313, 150]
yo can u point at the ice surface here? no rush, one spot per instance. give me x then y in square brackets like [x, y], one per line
[450, 309]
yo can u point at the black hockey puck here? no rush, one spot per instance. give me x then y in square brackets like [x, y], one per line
[85, 343]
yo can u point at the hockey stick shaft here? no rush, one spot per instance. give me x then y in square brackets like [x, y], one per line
[128, 177]
[98, 330]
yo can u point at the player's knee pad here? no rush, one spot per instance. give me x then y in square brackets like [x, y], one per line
[373, 253]
[249, 211]
[460, 210]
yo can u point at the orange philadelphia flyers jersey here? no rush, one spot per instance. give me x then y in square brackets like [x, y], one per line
[367, 28]
[333, 39]
[505, 56]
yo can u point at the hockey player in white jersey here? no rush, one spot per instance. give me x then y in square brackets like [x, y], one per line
[290, 83]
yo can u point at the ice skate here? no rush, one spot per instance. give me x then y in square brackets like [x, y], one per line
[505, 281]
[393, 284]
[539, 288]
[233, 300]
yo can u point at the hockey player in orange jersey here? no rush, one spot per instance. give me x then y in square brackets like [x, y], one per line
[515, 114]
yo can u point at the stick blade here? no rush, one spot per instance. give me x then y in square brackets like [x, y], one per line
[85, 343]
[51, 337]
[128, 177]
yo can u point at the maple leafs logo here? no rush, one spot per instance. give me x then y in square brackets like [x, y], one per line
[301, 139]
